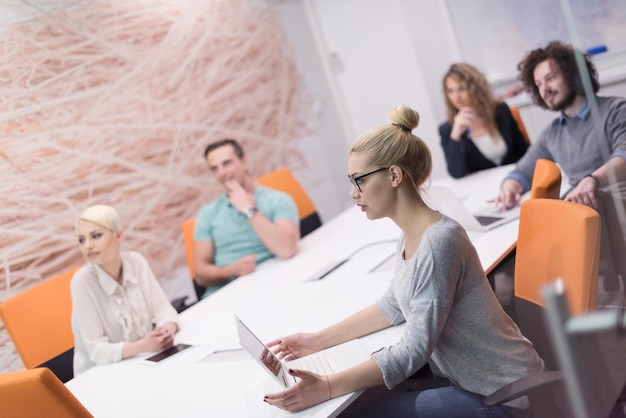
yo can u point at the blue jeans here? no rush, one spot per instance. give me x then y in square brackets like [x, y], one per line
[442, 402]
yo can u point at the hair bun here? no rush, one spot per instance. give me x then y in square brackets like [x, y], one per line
[404, 117]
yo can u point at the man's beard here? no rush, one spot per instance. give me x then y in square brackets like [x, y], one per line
[565, 103]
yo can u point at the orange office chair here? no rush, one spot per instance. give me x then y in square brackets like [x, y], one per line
[546, 180]
[37, 393]
[188, 227]
[520, 124]
[180, 303]
[546, 185]
[282, 179]
[39, 323]
[557, 239]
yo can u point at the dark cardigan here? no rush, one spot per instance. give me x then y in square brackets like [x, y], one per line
[463, 157]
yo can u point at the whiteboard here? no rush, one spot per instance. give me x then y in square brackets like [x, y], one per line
[495, 35]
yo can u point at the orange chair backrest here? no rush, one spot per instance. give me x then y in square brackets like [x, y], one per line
[188, 227]
[39, 319]
[558, 239]
[520, 124]
[282, 179]
[38, 393]
[546, 180]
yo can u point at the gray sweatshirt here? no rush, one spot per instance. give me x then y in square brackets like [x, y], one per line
[453, 320]
[578, 145]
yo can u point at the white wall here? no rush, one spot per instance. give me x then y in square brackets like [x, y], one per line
[379, 53]
[359, 60]
[383, 53]
[324, 148]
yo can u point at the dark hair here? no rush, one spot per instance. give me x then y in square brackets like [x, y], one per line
[223, 142]
[565, 57]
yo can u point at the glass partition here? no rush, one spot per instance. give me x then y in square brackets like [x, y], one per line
[596, 30]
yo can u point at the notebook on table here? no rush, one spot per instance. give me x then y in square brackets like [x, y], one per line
[489, 217]
[328, 361]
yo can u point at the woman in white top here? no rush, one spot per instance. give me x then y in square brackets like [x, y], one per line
[479, 132]
[118, 307]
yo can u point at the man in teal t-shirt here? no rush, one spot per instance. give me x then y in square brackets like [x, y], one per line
[245, 226]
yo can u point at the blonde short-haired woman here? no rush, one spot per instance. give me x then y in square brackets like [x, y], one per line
[118, 307]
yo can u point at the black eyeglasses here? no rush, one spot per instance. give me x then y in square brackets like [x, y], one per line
[356, 181]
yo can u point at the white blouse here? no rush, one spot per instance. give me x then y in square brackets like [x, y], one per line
[492, 147]
[106, 315]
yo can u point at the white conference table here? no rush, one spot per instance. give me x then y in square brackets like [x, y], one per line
[279, 298]
[275, 300]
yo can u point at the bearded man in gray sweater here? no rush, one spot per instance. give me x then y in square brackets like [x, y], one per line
[589, 144]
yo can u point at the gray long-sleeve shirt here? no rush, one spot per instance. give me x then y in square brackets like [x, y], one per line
[576, 144]
[453, 319]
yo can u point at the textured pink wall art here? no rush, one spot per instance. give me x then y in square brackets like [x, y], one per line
[111, 101]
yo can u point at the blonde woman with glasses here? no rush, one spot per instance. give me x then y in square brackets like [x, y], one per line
[452, 320]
